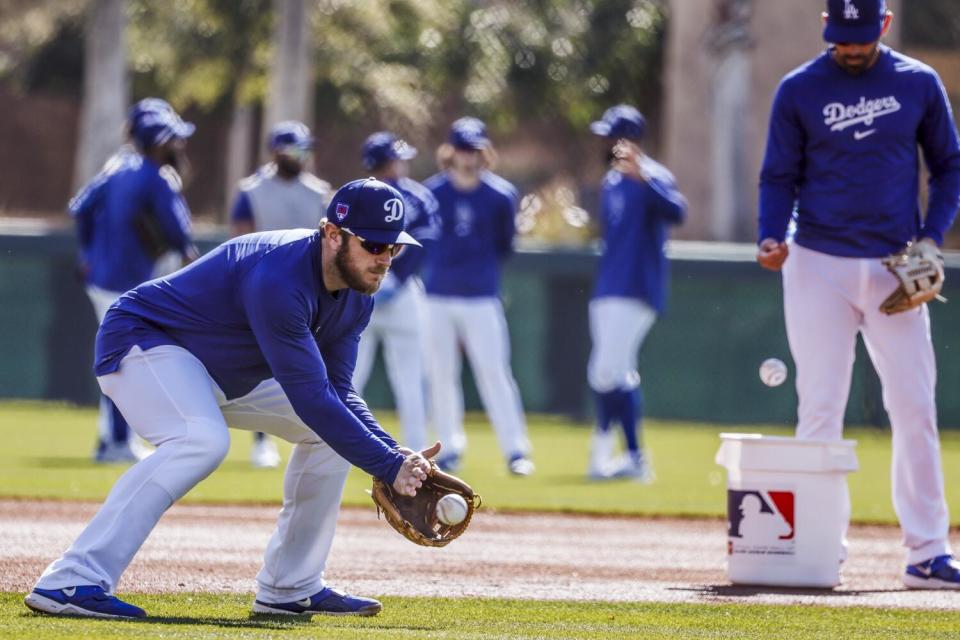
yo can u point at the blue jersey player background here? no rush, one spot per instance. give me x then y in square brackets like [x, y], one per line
[639, 201]
[260, 334]
[127, 217]
[399, 314]
[842, 164]
[477, 211]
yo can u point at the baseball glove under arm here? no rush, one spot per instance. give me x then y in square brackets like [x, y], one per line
[416, 517]
[919, 273]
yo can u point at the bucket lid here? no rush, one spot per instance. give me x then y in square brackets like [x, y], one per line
[756, 452]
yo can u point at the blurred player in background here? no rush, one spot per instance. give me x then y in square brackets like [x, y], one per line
[477, 211]
[842, 162]
[399, 315]
[260, 333]
[282, 194]
[128, 217]
[639, 200]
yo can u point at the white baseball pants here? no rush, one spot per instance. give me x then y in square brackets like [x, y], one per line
[480, 326]
[101, 299]
[399, 325]
[618, 327]
[827, 301]
[170, 400]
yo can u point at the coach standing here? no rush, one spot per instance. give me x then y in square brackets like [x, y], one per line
[842, 162]
[127, 217]
[282, 194]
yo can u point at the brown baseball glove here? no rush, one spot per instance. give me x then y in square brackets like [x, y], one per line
[416, 517]
[919, 273]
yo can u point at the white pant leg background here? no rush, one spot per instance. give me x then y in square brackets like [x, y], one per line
[399, 325]
[480, 325]
[444, 367]
[827, 300]
[101, 299]
[171, 401]
[618, 327]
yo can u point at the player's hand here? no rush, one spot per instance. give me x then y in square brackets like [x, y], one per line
[627, 160]
[414, 471]
[772, 254]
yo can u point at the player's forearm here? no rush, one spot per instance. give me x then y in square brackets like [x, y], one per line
[670, 203]
[943, 202]
[944, 198]
[776, 207]
[321, 409]
[359, 408]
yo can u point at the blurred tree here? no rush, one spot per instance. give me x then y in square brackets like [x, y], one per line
[105, 88]
[291, 70]
[207, 54]
[41, 44]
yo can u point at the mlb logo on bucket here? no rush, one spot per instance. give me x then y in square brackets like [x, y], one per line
[761, 522]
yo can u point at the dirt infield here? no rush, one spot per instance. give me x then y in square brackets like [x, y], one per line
[548, 557]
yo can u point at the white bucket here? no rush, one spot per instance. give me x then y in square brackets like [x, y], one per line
[787, 508]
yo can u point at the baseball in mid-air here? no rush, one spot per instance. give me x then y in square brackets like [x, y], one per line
[451, 509]
[773, 372]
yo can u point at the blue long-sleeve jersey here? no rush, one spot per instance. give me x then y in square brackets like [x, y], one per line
[105, 210]
[255, 308]
[635, 216]
[842, 159]
[476, 233]
[420, 216]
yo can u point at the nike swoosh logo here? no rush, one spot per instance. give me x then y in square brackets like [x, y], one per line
[304, 603]
[860, 135]
[70, 592]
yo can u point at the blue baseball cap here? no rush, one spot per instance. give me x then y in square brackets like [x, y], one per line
[289, 133]
[153, 121]
[372, 210]
[621, 121]
[383, 146]
[854, 21]
[468, 133]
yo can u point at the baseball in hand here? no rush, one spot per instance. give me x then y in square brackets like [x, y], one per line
[773, 372]
[451, 509]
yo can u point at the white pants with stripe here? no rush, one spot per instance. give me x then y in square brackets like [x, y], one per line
[827, 301]
[170, 400]
[480, 326]
[618, 327]
[400, 325]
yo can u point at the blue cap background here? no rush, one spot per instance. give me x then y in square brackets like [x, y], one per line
[153, 121]
[366, 208]
[854, 21]
[621, 121]
[383, 146]
[468, 133]
[289, 133]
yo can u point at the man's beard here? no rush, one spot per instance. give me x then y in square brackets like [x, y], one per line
[351, 275]
[856, 65]
[287, 168]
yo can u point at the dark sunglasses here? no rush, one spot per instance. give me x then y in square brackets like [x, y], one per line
[376, 248]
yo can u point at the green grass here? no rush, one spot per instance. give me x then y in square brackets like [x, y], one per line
[46, 453]
[227, 616]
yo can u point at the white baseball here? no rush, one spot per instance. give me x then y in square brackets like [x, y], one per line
[451, 509]
[773, 372]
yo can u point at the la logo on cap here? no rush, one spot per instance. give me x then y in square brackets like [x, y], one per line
[342, 211]
[850, 11]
